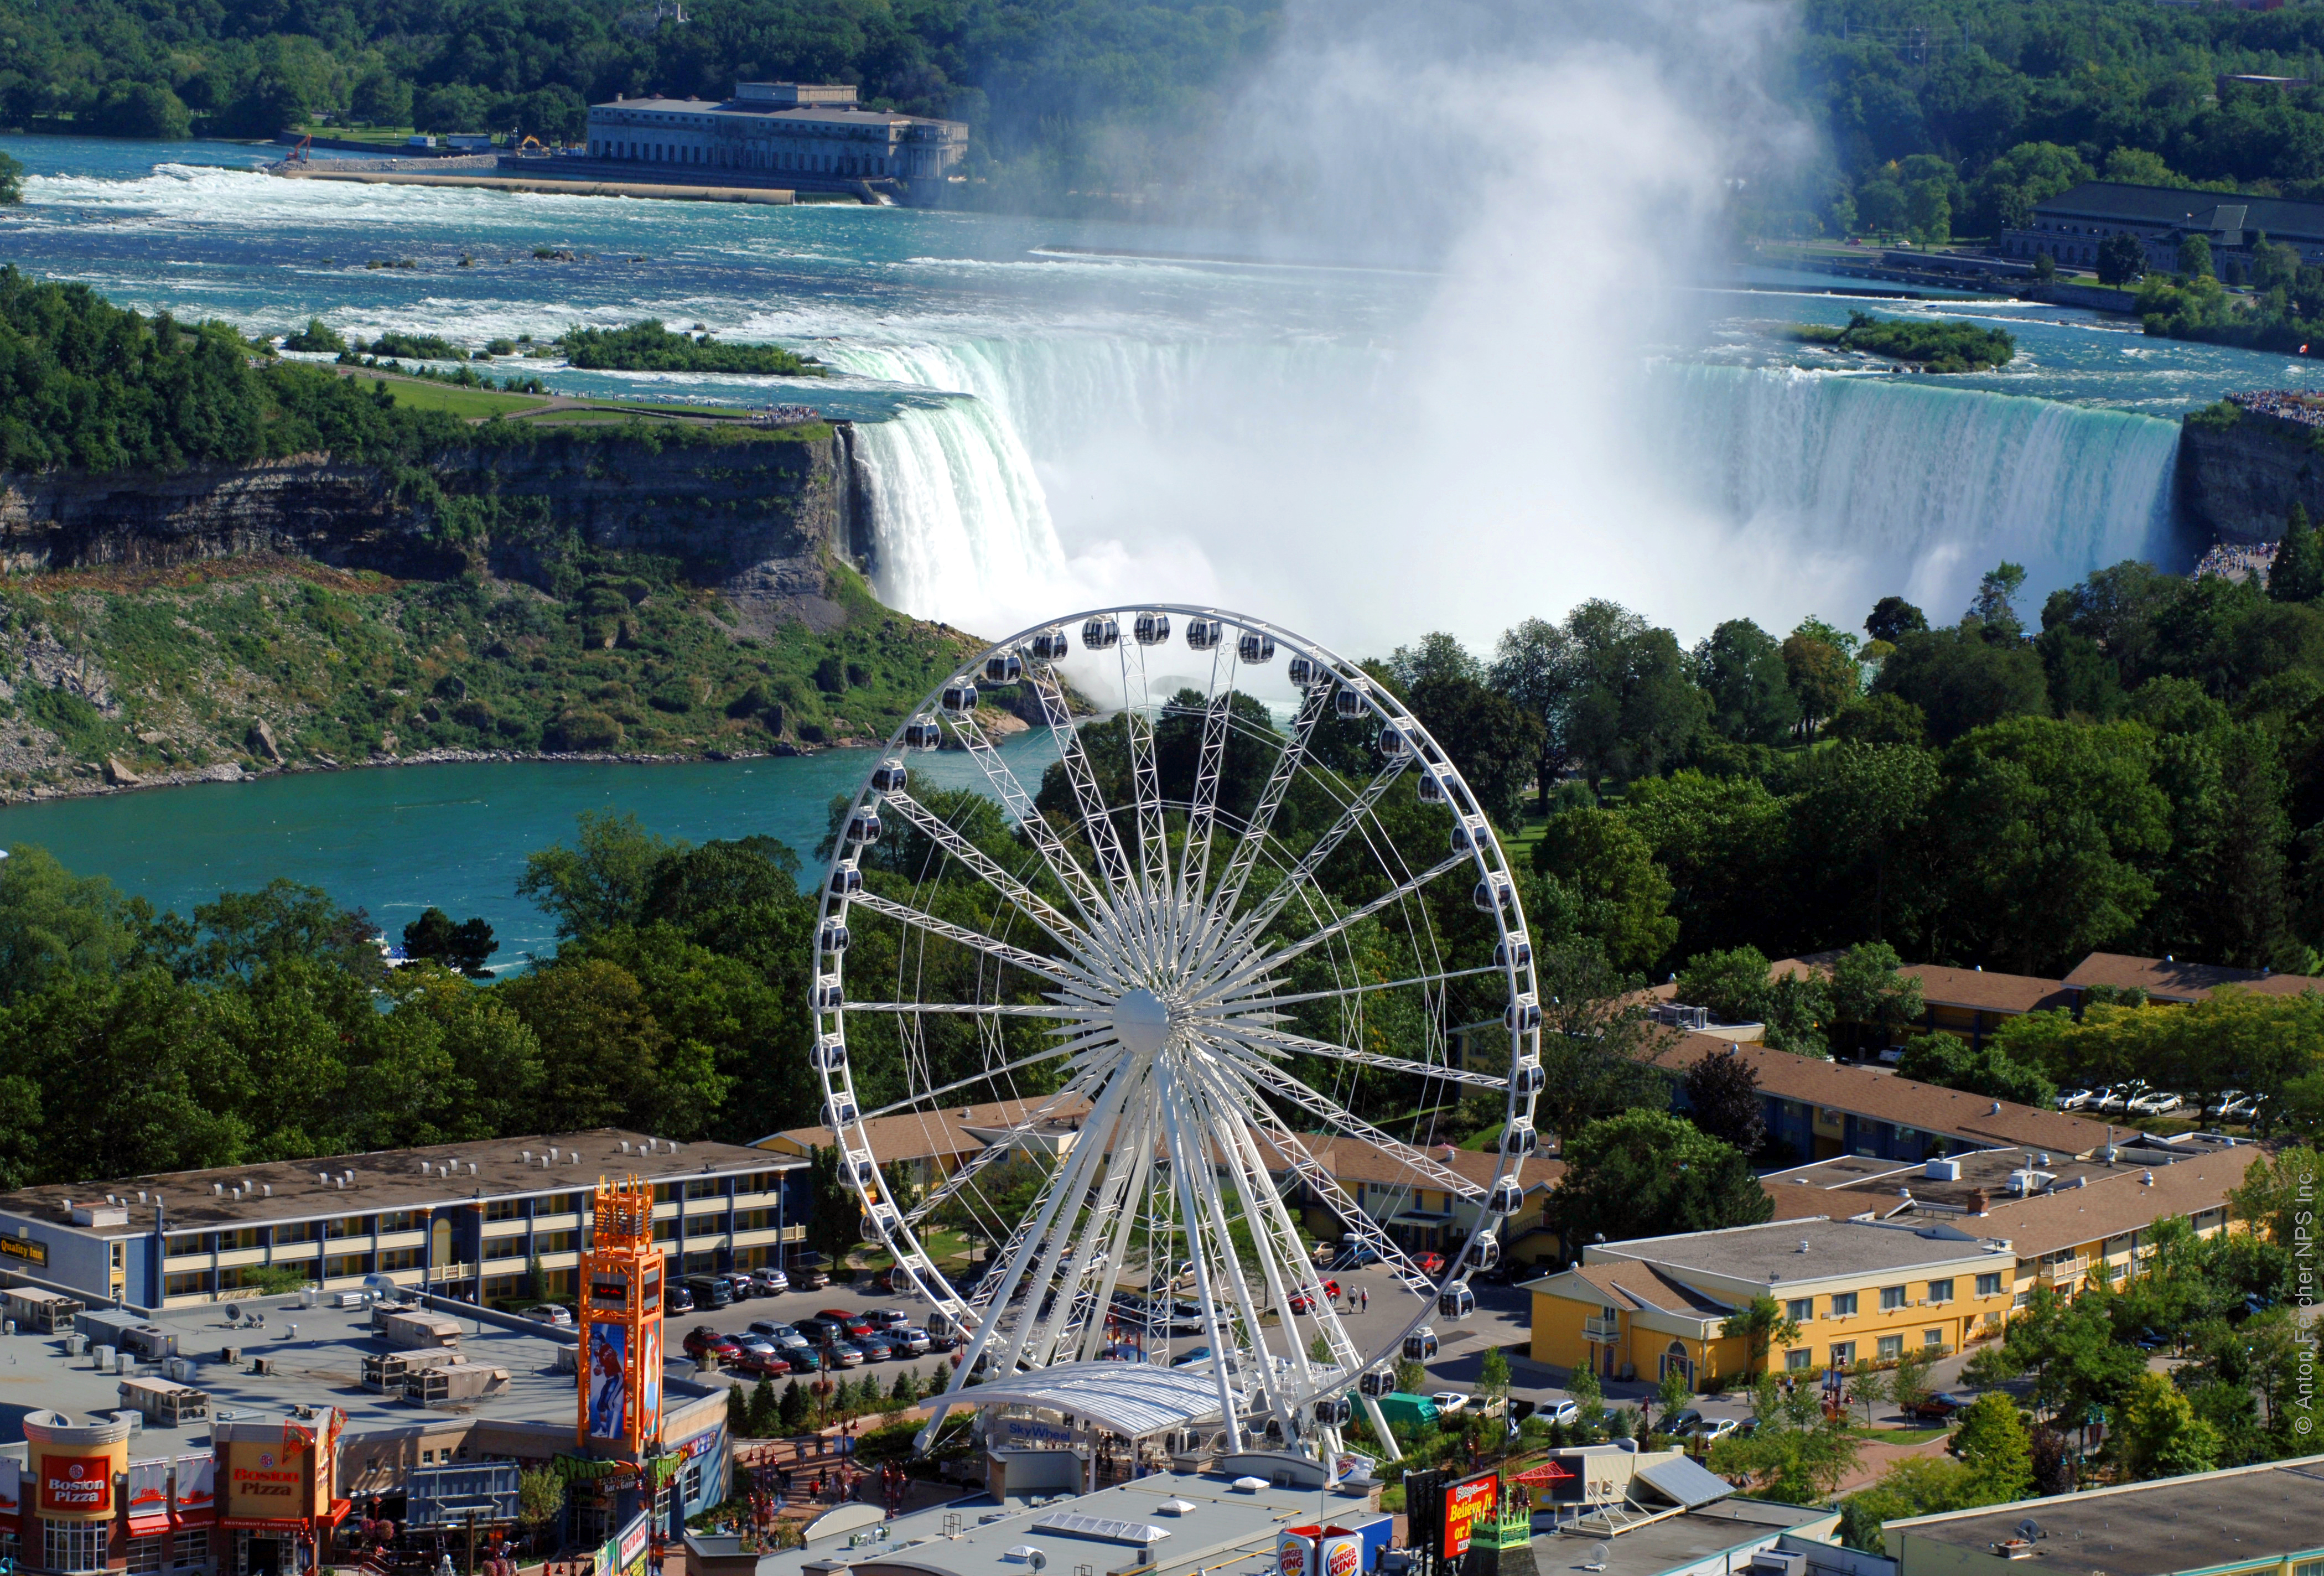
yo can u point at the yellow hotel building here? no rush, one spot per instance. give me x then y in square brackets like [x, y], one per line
[1861, 1291]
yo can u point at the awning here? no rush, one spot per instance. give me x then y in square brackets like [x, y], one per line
[1128, 1398]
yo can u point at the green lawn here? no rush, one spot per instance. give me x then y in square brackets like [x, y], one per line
[418, 394]
[1897, 1435]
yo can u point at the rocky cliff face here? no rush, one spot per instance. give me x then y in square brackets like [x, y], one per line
[2237, 481]
[756, 519]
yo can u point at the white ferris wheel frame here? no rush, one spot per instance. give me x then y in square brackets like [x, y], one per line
[1214, 1104]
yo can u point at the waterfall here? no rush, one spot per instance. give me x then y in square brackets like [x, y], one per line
[1927, 484]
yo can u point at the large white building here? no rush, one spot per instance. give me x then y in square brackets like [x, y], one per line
[780, 129]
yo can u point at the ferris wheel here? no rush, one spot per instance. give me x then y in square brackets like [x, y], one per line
[1198, 970]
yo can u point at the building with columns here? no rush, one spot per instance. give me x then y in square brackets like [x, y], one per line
[462, 1221]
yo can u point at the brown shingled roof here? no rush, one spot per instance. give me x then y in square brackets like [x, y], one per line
[927, 1135]
[2167, 979]
[1980, 992]
[1626, 1282]
[1885, 1097]
[2119, 1202]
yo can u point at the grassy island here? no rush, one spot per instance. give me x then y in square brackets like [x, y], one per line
[1932, 346]
[648, 346]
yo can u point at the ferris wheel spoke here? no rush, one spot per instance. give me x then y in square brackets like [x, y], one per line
[1145, 782]
[1140, 1140]
[1091, 1253]
[1256, 1067]
[1253, 1002]
[1265, 962]
[977, 1009]
[1097, 822]
[1222, 1156]
[1000, 1146]
[1279, 778]
[1271, 1041]
[1050, 969]
[1263, 913]
[1277, 1134]
[1062, 930]
[1186, 1163]
[1202, 813]
[1085, 894]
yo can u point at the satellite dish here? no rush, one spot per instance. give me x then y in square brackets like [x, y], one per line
[232, 1314]
[1598, 1554]
[2029, 1529]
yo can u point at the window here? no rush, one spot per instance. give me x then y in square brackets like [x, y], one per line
[1799, 1359]
[189, 1548]
[69, 1545]
[185, 1284]
[1934, 1340]
[400, 1259]
[1800, 1310]
[345, 1226]
[401, 1220]
[1941, 1291]
[503, 1209]
[346, 1264]
[428, 1458]
[144, 1556]
[191, 1242]
[1891, 1298]
[1843, 1304]
[294, 1231]
[1989, 1285]
[1892, 1346]
[553, 1241]
[2309, 1567]
[504, 1248]
[1843, 1354]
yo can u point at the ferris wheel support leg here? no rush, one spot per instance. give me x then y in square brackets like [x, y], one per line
[1373, 1415]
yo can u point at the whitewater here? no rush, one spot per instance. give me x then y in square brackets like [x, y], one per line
[1053, 413]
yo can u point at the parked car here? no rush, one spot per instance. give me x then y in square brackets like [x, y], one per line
[1936, 1408]
[810, 1271]
[773, 1329]
[2154, 1102]
[877, 1348]
[2220, 1104]
[752, 1344]
[2110, 1099]
[887, 1318]
[1431, 1263]
[818, 1331]
[1193, 1354]
[1715, 1429]
[703, 1344]
[676, 1298]
[844, 1354]
[1450, 1403]
[1303, 1300]
[912, 1338]
[768, 1281]
[1682, 1424]
[2243, 1110]
[1568, 1410]
[552, 1313]
[849, 1324]
[2075, 1099]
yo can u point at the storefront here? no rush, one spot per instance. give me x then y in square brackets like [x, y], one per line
[73, 1523]
[278, 1506]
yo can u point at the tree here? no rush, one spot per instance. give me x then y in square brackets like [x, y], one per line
[1764, 1326]
[1648, 1174]
[1589, 1396]
[539, 1498]
[380, 98]
[2122, 259]
[1742, 671]
[600, 883]
[2298, 572]
[1796, 1455]
[1822, 677]
[463, 947]
[792, 1409]
[1915, 1486]
[615, 1061]
[1893, 618]
[1493, 1378]
[2195, 257]
[765, 1411]
[1959, 681]
[1868, 1387]
[1537, 665]
[1607, 885]
[837, 1224]
[2158, 1435]
[1439, 655]
[907, 1387]
[1411, 1379]
[1722, 1099]
[1950, 1063]
[11, 182]
[1494, 741]
[1908, 1381]
[1635, 710]
[1993, 1443]
[1995, 604]
[1871, 991]
[1674, 1392]
[738, 1411]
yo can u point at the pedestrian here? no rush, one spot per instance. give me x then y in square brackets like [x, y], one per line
[1365, 1293]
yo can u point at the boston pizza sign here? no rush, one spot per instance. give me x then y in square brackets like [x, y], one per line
[76, 1485]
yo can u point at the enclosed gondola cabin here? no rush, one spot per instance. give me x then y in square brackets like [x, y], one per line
[1420, 1345]
[846, 881]
[1005, 669]
[890, 776]
[1151, 628]
[1256, 648]
[1051, 645]
[828, 1054]
[1203, 634]
[1456, 1301]
[923, 733]
[959, 697]
[1101, 633]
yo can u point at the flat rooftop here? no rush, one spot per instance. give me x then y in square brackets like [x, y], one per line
[391, 1179]
[317, 1360]
[1677, 1542]
[2251, 1513]
[1772, 1252]
[1222, 1522]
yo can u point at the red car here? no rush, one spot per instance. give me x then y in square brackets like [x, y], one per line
[702, 1343]
[1431, 1263]
[1303, 1300]
[853, 1324]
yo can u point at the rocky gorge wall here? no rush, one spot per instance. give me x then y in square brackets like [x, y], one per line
[755, 516]
[2240, 474]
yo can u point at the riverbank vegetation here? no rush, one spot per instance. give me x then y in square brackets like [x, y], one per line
[1936, 346]
[648, 346]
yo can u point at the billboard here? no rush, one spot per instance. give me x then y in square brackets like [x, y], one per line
[1466, 1503]
[609, 1350]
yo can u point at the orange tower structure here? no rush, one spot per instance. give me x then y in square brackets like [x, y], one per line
[620, 1321]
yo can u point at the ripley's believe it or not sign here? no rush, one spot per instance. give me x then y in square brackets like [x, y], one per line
[1467, 1503]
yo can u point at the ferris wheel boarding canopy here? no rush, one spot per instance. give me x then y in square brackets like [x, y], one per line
[1129, 1398]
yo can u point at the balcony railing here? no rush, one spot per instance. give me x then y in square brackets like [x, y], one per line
[1605, 1331]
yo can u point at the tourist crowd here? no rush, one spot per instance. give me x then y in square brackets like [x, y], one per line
[2287, 404]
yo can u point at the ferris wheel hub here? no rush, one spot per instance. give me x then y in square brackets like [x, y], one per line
[1141, 1021]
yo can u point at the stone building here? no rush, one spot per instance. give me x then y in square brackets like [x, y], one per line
[815, 132]
[2074, 225]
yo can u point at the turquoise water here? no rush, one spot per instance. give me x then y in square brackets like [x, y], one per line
[395, 839]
